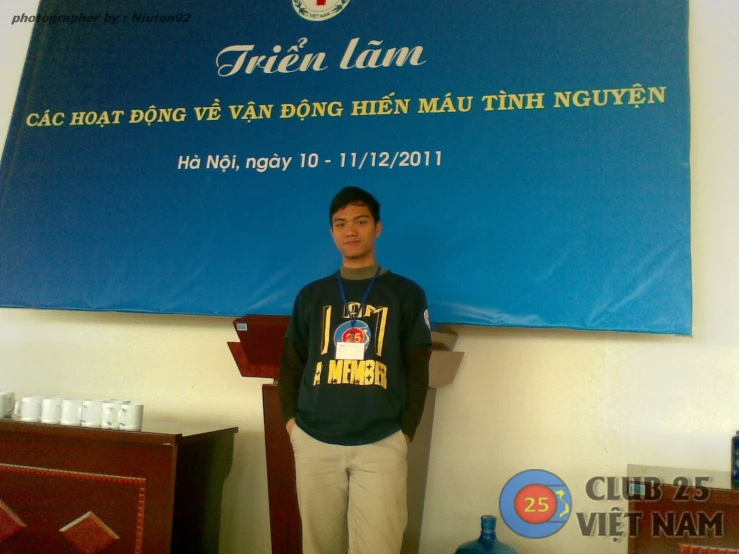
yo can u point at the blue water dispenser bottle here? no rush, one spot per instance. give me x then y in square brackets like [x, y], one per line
[488, 541]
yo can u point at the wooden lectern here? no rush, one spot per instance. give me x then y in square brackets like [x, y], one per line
[258, 355]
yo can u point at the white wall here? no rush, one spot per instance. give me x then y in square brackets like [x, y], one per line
[577, 404]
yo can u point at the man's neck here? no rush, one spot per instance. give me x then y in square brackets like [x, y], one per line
[358, 273]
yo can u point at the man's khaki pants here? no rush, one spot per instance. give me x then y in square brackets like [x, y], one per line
[354, 490]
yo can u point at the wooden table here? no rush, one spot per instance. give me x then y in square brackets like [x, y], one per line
[72, 489]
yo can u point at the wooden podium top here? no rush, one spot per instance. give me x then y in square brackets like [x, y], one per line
[152, 432]
[260, 348]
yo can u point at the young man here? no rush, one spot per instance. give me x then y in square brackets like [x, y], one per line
[352, 386]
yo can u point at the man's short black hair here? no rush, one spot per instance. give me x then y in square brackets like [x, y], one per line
[354, 195]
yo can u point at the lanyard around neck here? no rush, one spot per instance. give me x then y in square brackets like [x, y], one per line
[364, 298]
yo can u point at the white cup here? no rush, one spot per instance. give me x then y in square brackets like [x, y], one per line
[29, 408]
[92, 413]
[7, 403]
[132, 416]
[71, 411]
[51, 410]
[112, 413]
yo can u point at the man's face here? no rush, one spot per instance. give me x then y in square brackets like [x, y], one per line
[354, 232]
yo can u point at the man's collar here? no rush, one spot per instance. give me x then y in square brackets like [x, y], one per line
[359, 273]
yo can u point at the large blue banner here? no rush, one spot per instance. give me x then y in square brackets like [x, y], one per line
[531, 156]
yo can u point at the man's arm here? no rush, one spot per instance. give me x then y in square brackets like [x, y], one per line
[417, 384]
[288, 385]
[292, 364]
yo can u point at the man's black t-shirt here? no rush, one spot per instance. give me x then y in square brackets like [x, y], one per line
[353, 402]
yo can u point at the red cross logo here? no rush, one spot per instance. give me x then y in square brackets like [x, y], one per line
[319, 10]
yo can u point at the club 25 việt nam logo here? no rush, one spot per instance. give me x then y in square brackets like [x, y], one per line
[535, 503]
[319, 10]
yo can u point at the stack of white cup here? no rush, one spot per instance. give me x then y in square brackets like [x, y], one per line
[106, 414]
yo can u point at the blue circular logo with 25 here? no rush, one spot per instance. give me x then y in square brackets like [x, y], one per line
[535, 503]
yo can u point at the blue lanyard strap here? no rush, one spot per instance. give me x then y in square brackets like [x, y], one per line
[364, 298]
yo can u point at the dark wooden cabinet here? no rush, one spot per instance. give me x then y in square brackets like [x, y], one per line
[686, 519]
[71, 489]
